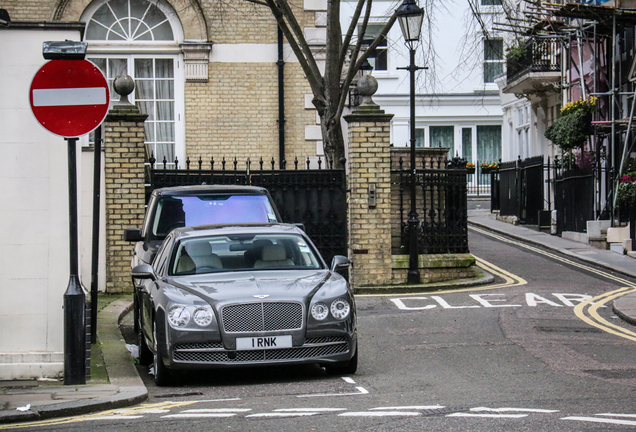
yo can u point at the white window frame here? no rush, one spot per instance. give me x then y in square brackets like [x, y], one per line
[148, 49]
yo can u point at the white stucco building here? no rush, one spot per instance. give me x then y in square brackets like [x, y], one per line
[457, 101]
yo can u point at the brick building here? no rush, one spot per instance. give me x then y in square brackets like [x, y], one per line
[206, 71]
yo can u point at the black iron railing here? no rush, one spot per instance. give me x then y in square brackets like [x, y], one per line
[308, 193]
[441, 207]
[542, 54]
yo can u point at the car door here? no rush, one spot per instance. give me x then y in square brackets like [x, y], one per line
[160, 267]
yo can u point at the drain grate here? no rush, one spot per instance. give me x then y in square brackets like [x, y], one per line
[566, 329]
[615, 374]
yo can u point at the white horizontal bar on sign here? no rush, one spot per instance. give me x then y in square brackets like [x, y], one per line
[69, 96]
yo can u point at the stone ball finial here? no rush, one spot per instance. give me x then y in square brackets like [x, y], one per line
[367, 86]
[123, 86]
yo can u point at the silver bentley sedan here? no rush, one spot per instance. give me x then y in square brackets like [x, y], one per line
[249, 294]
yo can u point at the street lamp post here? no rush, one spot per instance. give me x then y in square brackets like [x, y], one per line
[410, 16]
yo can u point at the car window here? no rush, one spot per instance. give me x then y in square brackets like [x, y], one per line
[242, 253]
[179, 211]
[160, 262]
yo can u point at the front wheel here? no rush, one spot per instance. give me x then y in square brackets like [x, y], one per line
[344, 368]
[161, 372]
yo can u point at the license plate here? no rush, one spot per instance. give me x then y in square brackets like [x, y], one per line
[264, 342]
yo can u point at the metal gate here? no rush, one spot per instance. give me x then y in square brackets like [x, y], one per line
[521, 189]
[316, 198]
[574, 200]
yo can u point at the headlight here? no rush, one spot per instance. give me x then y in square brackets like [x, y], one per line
[178, 316]
[319, 311]
[340, 308]
[203, 317]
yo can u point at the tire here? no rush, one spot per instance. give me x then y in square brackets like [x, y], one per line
[344, 368]
[145, 354]
[161, 372]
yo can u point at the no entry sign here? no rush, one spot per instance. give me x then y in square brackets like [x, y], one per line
[69, 97]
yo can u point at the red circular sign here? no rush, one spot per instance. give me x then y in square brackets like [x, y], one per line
[69, 97]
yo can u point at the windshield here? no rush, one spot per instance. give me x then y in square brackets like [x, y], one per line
[243, 252]
[179, 211]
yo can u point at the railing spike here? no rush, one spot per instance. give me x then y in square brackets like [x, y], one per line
[165, 162]
[200, 163]
[176, 162]
[152, 161]
[308, 162]
[296, 163]
[188, 162]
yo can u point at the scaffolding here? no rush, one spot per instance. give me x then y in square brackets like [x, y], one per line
[598, 58]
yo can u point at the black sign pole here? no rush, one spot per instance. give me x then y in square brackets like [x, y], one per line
[97, 169]
[74, 297]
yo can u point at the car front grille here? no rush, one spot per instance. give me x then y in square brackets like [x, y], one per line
[193, 353]
[256, 317]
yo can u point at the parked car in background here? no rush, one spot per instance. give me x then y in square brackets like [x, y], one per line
[238, 295]
[175, 207]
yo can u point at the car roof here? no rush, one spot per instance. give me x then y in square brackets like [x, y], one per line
[244, 228]
[196, 190]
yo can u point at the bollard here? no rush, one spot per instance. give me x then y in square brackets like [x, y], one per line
[74, 333]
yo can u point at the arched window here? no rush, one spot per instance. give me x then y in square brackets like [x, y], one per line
[141, 38]
[129, 21]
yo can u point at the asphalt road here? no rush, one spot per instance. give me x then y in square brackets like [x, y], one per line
[524, 354]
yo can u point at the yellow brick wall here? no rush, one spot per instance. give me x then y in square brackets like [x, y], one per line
[235, 114]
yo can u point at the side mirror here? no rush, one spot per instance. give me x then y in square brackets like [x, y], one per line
[132, 235]
[143, 271]
[339, 263]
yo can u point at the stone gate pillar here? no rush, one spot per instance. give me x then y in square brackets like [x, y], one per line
[124, 157]
[369, 160]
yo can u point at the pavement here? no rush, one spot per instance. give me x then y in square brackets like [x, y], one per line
[32, 400]
[22, 401]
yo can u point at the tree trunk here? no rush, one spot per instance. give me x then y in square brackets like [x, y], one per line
[333, 141]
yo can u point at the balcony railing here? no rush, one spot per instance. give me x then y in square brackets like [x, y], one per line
[541, 55]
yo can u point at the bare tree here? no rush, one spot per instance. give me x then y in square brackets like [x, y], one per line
[343, 55]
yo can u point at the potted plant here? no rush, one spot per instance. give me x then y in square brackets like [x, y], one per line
[574, 127]
[488, 167]
[470, 168]
[626, 192]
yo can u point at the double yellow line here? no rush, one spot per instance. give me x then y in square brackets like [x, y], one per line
[587, 311]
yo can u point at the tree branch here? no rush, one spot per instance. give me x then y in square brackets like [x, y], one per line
[353, 68]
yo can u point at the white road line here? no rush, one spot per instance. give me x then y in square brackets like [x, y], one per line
[115, 417]
[514, 410]
[380, 414]
[487, 415]
[280, 414]
[348, 380]
[217, 410]
[217, 400]
[154, 411]
[601, 420]
[418, 407]
[69, 96]
[618, 415]
[313, 410]
[361, 391]
[200, 415]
